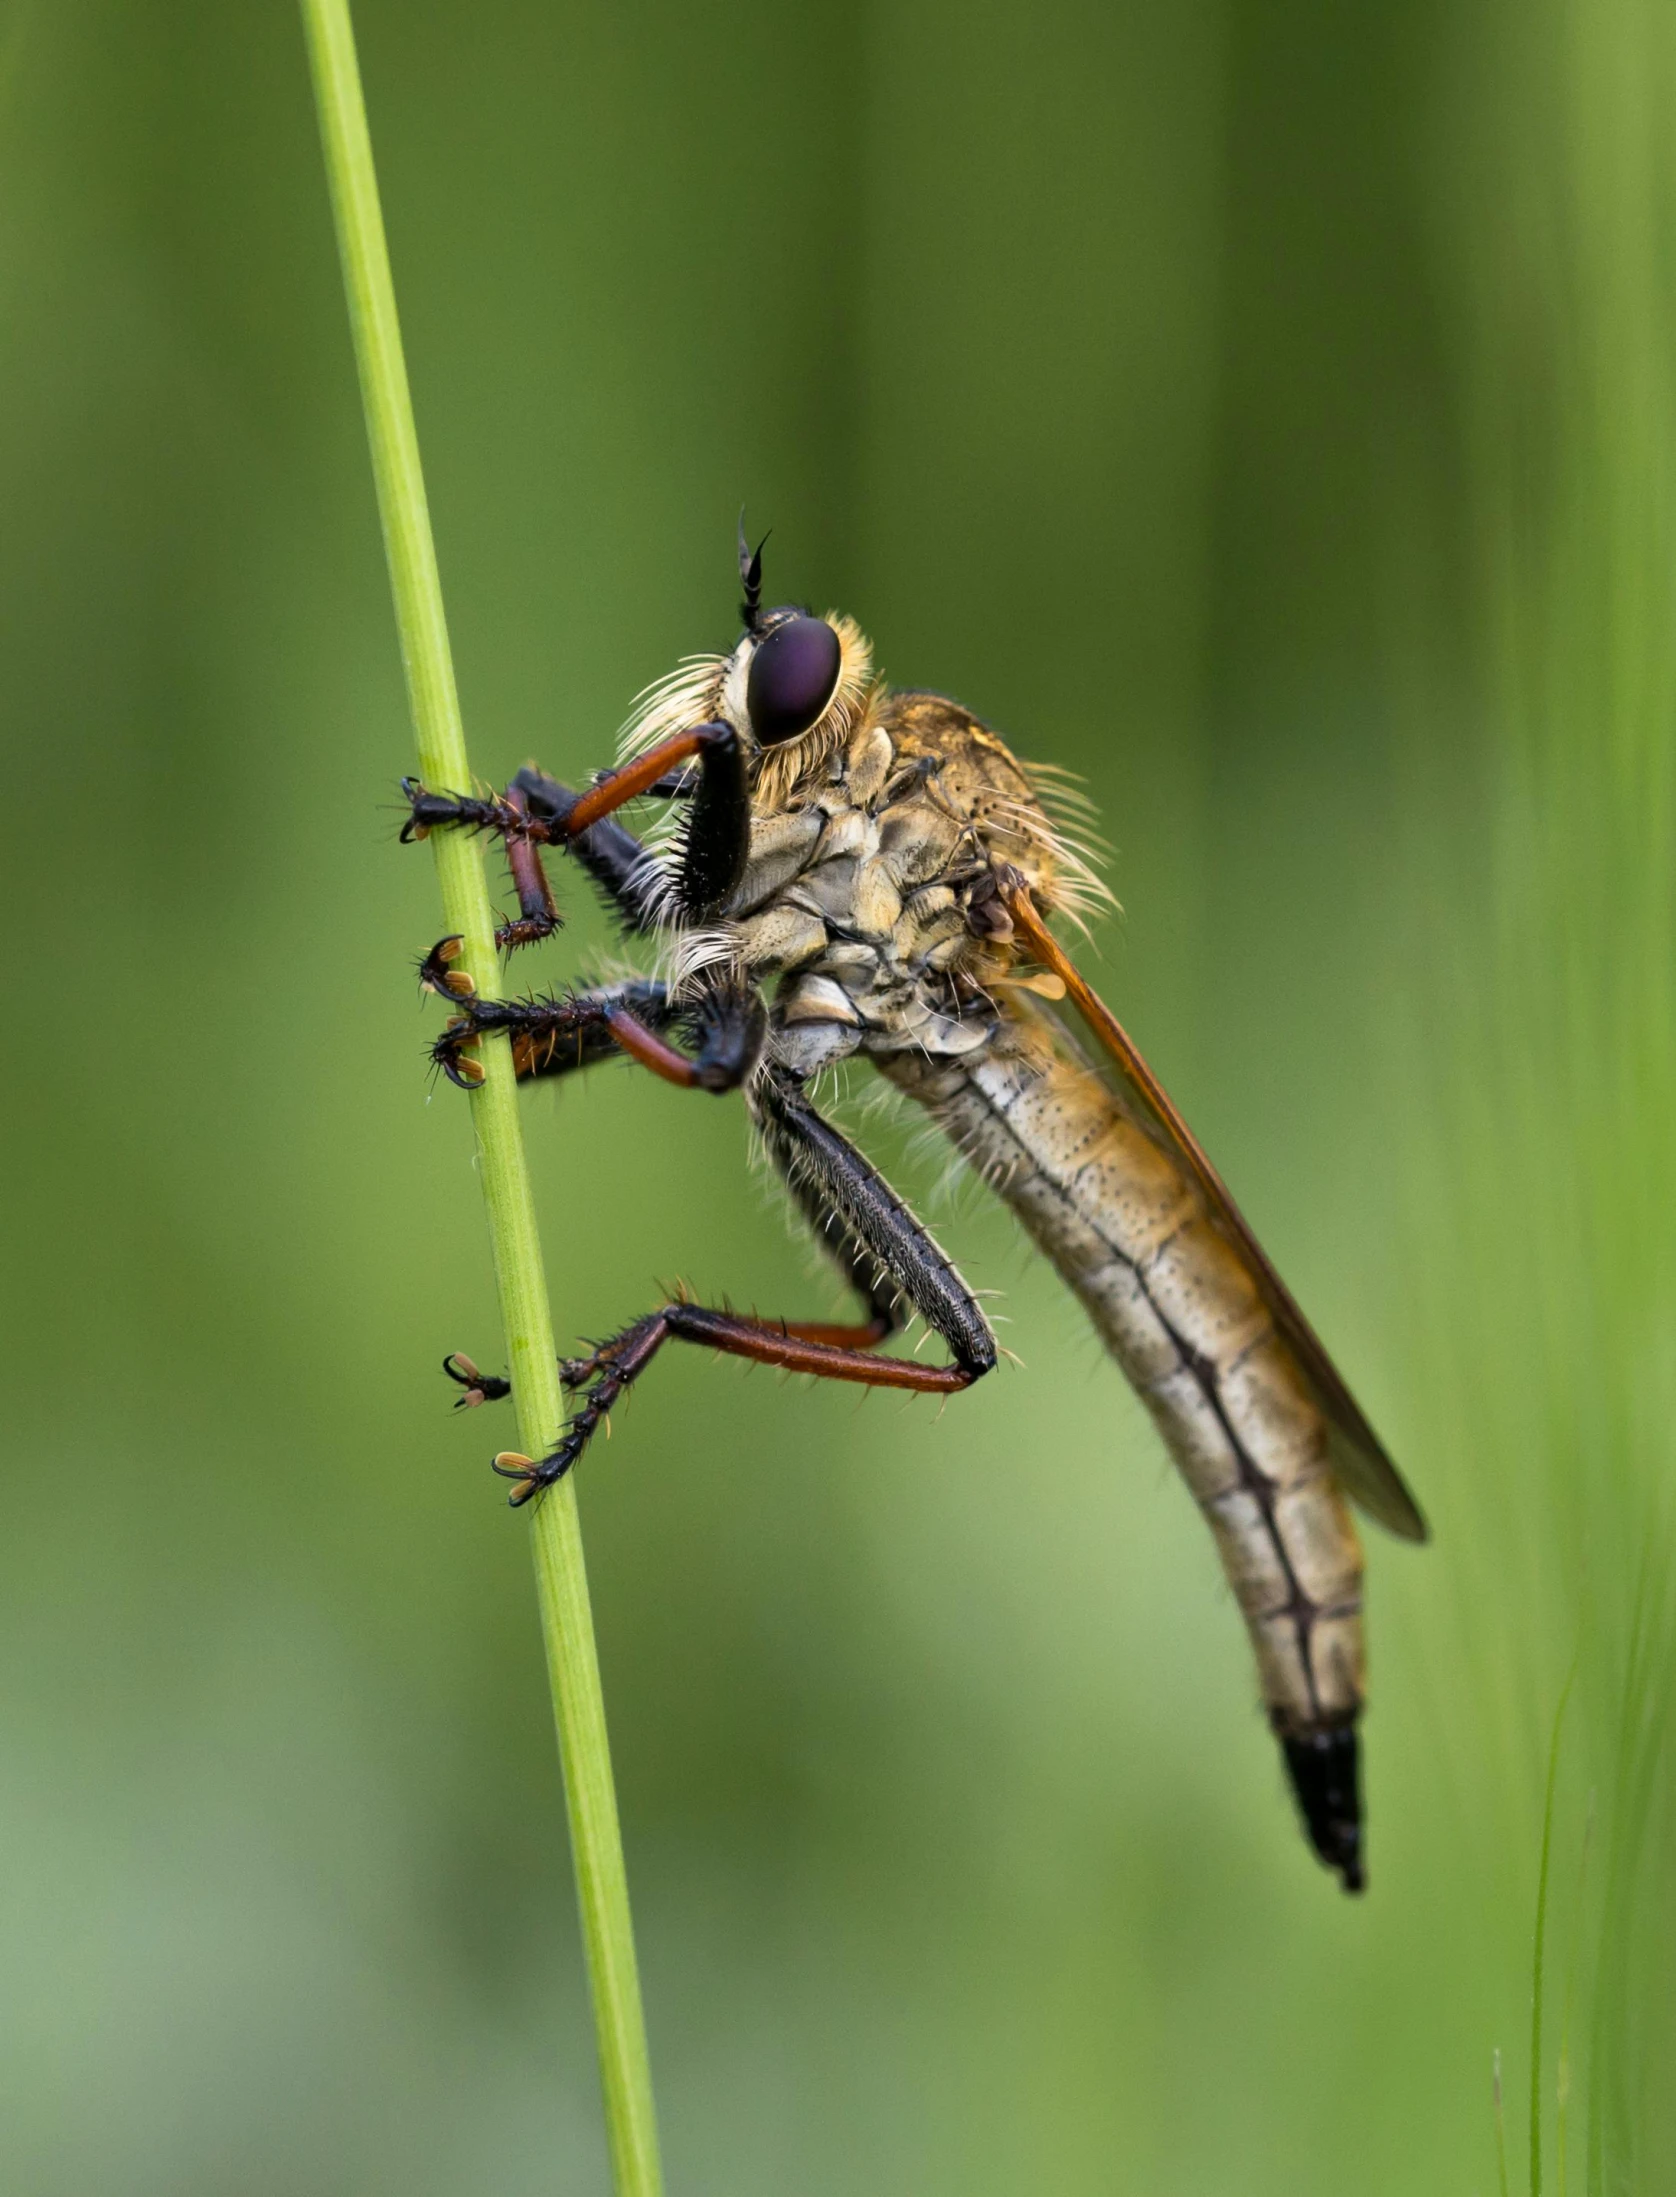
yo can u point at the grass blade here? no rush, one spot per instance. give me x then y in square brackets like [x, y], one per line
[561, 1576]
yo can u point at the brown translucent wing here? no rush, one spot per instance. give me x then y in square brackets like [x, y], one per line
[1358, 1457]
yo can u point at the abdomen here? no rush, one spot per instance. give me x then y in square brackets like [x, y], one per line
[1177, 1307]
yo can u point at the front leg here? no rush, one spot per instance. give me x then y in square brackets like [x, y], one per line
[716, 837]
[537, 811]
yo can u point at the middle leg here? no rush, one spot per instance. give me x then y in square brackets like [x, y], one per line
[725, 1026]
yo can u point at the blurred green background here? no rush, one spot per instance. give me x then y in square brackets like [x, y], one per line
[1265, 408]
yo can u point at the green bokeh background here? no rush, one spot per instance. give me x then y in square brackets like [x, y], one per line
[1263, 407]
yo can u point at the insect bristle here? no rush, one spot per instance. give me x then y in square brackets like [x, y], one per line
[683, 697]
[1079, 889]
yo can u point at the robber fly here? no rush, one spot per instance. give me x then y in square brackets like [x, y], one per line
[885, 866]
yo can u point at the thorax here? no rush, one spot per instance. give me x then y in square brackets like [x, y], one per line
[869, 900]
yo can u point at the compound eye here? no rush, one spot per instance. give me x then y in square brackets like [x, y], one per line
[793, 676]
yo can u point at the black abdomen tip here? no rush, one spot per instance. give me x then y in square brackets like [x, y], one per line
[1324, 1771]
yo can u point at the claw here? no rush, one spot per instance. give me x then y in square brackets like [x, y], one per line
[512, 1464]
[437, 973]
[415, 828]
[533, 1476]
[449, 1053]
[480, 1388]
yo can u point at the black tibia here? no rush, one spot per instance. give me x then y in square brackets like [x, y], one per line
[727, 1026]
[1324, 1770]
[876, 1241]
[883, 1251]
[716, 836]
[723, 1028]
[870, 1278]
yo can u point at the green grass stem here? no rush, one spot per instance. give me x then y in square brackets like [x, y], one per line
[561, 1576]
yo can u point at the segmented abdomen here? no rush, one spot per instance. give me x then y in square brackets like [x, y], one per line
[1173, 1300]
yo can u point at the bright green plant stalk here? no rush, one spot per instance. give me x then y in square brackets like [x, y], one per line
[561, 1576]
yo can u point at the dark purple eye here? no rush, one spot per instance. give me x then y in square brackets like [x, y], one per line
[793, 675]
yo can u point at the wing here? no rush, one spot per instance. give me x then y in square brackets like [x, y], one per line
[1358, 1457]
